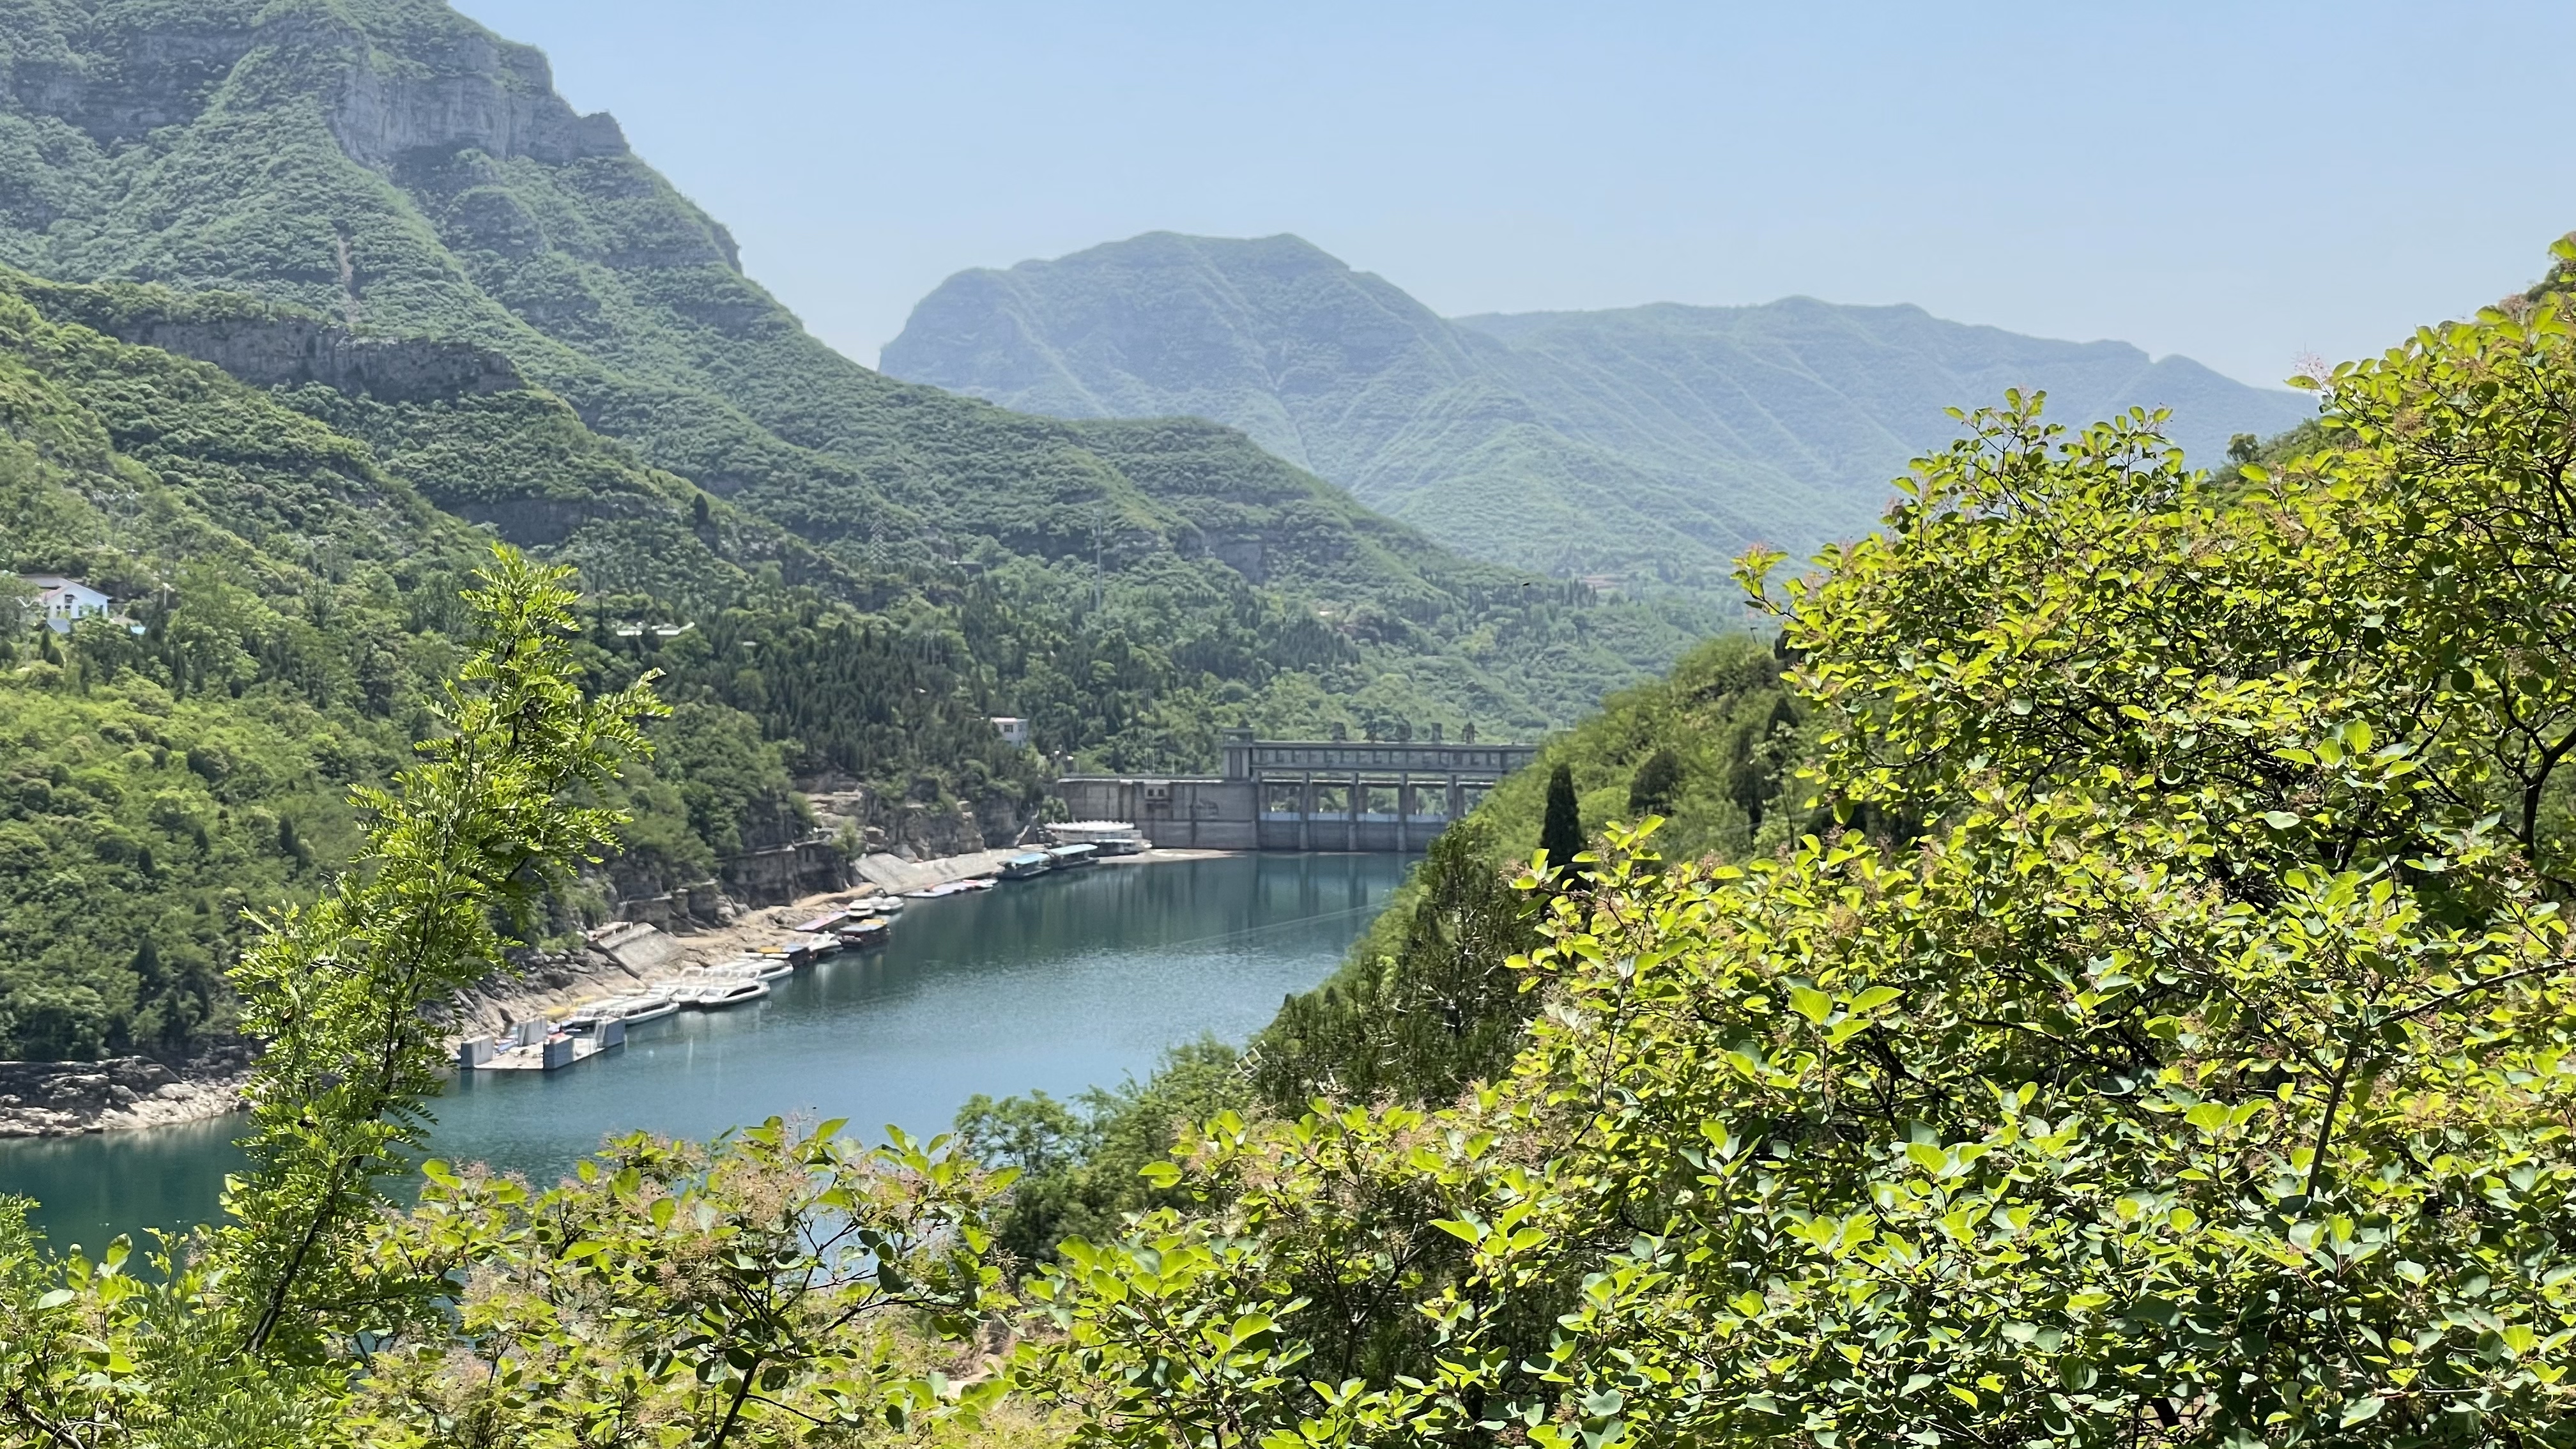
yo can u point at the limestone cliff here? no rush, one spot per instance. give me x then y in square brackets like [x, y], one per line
[465, 88]
[292, 352]
[478, 91]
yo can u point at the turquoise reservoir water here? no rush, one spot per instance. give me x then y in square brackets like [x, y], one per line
[1060, 983]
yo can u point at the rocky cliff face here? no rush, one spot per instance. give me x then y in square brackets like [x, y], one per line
[920, 829]
[292, 352]
[464, 89]
[139, 82]
[479, 92]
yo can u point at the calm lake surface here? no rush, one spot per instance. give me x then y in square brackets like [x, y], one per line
[1059, 983]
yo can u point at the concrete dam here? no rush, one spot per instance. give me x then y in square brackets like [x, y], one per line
[1304, 794]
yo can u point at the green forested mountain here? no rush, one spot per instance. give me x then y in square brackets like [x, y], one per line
[1652, 443]
[391, 166]
[312, 300]
[291, 583]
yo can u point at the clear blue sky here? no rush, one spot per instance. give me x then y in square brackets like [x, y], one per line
[2239, 182]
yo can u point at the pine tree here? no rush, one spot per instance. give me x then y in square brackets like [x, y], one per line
[1561, 833]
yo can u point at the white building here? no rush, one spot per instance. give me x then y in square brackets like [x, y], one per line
[1015, 731]
[61, 602]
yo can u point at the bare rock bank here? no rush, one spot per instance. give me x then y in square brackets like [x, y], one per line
[65, 1099]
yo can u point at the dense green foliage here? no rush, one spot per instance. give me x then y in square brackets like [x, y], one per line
[2193, 1066]
[1437, 1009]
[1725, 729]
[158, 784]
[346, 995]
[127, 870]
[1650, 444]
[1077, 1164]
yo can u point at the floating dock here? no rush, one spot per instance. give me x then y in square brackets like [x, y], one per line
[534, 1046]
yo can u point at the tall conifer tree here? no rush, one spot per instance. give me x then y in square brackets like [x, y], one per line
[1560, 834]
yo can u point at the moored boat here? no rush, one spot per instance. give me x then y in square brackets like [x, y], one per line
[1026, 864]
[1112, 837]
[632, 1010]
[871, 931]
[717, 996]
[761, 966]
[714, 988]
[807, 947]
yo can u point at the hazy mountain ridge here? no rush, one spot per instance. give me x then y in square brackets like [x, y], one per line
[1651, 442]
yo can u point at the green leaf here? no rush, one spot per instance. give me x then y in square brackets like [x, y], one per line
[1874, 998]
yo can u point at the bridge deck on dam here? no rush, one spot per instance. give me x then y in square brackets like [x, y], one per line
[1304, 794]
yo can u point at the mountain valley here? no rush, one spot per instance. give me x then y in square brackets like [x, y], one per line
[327, 296]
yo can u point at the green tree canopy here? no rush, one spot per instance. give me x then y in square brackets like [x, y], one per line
[2171, 1046]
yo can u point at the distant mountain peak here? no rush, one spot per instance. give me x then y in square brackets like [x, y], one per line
[1647, 443]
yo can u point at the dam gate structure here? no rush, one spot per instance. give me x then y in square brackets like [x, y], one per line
[1304, 794]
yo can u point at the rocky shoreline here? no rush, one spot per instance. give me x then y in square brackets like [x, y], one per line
[67, 1099]
[627, 957]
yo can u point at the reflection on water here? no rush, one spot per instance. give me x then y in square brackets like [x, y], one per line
[1058, 983]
